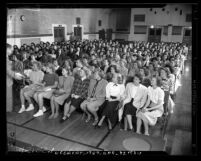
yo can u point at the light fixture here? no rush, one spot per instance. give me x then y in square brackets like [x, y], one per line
[152, 26]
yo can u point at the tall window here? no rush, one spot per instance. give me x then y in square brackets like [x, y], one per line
[99, 23]
[165, 30]
[139, 18]
[139, 29]
[78, 20]
[188, 17]
[123, 19]
[176, 30]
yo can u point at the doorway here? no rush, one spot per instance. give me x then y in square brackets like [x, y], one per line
[101, 34]
[109, 34]
[154, 35]
[187, 38]
[59, 34]
[77, 33]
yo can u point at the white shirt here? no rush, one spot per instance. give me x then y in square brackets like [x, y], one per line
[156, 94]
[113, 90]
[139, 93]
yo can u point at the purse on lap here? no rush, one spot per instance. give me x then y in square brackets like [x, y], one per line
[57, 93]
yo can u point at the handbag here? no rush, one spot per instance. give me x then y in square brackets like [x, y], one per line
[57, 93]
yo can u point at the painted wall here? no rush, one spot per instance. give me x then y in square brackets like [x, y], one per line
[40, 22]
[162, 18]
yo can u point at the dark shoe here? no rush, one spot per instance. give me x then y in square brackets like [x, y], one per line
[98, 126]
[130, 129]
[95, 122]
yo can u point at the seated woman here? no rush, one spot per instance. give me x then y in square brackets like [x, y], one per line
[96, 96]
[62, 92]
[57, 68]
[134, 98]
[49, 84]
[114, 94]
[153, 107]
[78, 94]
[167, 84]
[36, 77]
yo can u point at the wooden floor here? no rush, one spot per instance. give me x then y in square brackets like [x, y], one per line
[180, 122]
[76, 135]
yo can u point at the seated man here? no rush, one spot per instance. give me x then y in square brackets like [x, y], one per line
[153, 107]
[96, 96]
[49, 84]
[78, 94]
[36, 77]
[135, 98]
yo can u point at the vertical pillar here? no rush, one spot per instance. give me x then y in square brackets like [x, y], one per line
[169, 33]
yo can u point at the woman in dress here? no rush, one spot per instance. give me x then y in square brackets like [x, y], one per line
[63, 91]
[114, 94]
[153, 107]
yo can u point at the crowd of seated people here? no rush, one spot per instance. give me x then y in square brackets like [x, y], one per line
[134, 80]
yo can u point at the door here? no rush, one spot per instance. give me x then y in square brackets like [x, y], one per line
[102, 34]
[154, 35]
[59, 34]
[78, 33]
[187, 38]
[109, 34]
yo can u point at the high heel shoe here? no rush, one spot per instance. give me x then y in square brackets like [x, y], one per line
[88, 119]
[64, 119]
[95, 122]
[98, 126]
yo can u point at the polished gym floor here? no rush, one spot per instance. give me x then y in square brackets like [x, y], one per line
[29, 133]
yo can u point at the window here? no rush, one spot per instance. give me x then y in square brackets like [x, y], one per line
[139, 29]
[78, 21]
[158, 32]
[165, 30]
[99, 23]
[188, 17]
[151, 32]
[123, 20]
[121, 29]
[139, 18]
[187, 32]
[176, 30]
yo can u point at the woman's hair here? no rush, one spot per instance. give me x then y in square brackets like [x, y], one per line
[39, 65]
[171, 69]
[100, 72]
[51, 66]
[68, 70]
[158, 81]
[139, 76]
[115, 68]
[120, 78]
[167, 71]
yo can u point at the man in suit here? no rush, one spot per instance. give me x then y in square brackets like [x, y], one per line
[10, 74]
[96, 96]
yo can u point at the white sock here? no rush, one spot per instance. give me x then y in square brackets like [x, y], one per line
[23, 106]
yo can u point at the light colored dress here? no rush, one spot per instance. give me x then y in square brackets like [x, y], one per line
[65, 83]
[155, 95]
